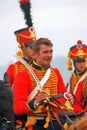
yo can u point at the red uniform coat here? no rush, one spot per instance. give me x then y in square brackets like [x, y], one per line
[12, 70]
[78, 105]
[24, 84]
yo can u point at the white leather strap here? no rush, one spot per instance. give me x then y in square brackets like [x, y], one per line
[39, 88]
[39, 83]
[81, 79]
[68, 87]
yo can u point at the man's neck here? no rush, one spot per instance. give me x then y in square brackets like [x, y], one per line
[39, 67]
[79, 73]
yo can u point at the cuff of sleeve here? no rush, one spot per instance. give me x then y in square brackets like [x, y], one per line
[31, 104]
[74, 98]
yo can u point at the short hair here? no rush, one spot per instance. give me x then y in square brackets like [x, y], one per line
[41, 41]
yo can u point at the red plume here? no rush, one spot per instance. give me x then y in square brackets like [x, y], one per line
[23, 1]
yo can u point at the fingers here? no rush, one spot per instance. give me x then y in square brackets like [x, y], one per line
[69, 97]
[41, 96]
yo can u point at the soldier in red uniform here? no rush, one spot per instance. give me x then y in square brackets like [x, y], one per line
[31, 99]
[24, 37]
[78, 80]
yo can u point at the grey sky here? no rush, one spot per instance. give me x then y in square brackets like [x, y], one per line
[62, 21]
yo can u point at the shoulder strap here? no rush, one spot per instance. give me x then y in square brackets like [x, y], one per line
[81, 79]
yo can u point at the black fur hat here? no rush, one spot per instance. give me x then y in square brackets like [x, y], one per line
[25, 6]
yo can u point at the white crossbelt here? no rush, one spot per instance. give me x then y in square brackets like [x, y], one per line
[39, 83]
[39, 88]
[81, 79]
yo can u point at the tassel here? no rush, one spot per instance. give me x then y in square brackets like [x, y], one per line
[31, 121]
[19, 124]
[19, 52]
[65, 126]
[69, 65]
[48, 118]
[69, 106]
[86, 62]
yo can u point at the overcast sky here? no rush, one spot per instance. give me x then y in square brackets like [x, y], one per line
[62, 21]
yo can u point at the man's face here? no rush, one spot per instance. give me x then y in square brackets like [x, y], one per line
[80, 65]
[44, 56]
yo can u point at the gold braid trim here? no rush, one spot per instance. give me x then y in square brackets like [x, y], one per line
[80, 53]
[49, 85]
[19, 67]
[73, 81]
[27, 37]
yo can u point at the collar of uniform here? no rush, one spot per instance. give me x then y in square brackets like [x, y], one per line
[29, 61]
[37, 66]
[79, 73]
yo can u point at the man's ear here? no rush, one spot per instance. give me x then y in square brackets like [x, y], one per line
[34, 56]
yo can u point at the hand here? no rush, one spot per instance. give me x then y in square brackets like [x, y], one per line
[41, 96]
[69, 97]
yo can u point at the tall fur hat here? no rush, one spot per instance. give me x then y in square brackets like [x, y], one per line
[25, 35]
